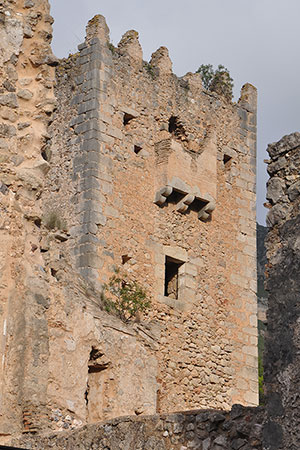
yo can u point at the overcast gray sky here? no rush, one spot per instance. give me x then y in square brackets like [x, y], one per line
[257, 40]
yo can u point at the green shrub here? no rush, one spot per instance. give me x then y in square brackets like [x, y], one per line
[111, 47]
[150, 70]
[123, 297]
[218, 80]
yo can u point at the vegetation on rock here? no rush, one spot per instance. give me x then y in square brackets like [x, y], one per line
[218, 80]
[123, 297]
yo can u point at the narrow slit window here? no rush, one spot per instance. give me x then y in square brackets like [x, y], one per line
[127, 118]
[172, 277]
[226, 160]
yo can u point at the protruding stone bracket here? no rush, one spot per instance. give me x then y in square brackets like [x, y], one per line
[205, 213]
[185, 203]
[162, 194]
[203, 204]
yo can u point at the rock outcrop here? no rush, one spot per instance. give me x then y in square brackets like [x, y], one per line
[282, 361]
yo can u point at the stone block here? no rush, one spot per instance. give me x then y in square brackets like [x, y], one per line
[252, 361]
[106, 118]
[190, 269]
[79, 80]
[253, 319]
[95, 41]
[92, 146]
[109, 211]
[92, 134]
[175, 252]
[9, 100]
[159, 272]
[159, 258]
[88, 273]
[77, 99]
[190, 282]
[85, 51]
[92, 194]
[86, 126]
[97, 55]
[250, 350]
[88, 106]
[91, 172]
[114, 132]
[90, 260]
[108, 139]
[82, 46]
[93, 217]
[88, 247]
[251, 398]
[88, 238]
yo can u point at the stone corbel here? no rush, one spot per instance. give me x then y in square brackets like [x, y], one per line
[206, 211]
[162, 194]
[185, 202]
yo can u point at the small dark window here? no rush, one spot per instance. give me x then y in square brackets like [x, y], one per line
[171, 277]
[172, 124]
[176, 128]
[226, 160]
[127, 118]
[137, 149]
[125, 259]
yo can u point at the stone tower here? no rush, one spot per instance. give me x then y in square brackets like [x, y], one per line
[123, 166]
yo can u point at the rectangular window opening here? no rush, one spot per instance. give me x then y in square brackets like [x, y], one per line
[172, 277]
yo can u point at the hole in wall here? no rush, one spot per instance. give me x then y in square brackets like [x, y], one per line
[125, 258]
[38, 222]
[44, 155]
[175, 127]
[53, 272]
[172, 276]
[97, 384]
[127, 118]
[96, 362]
[227, 160]
[86, 394]
[137, 149]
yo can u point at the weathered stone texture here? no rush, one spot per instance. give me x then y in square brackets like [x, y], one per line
[122, 164]
[205, 430]
[126, 161]
[26, 87]
[282, 364]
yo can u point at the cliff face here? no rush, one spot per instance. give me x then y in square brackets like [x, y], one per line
[26, 103]
[282, 363]
[262, 296]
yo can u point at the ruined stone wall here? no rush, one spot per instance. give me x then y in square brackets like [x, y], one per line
[113, 157]
[26, 102]
[205, 430]
[282, 365]
[120, 161]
